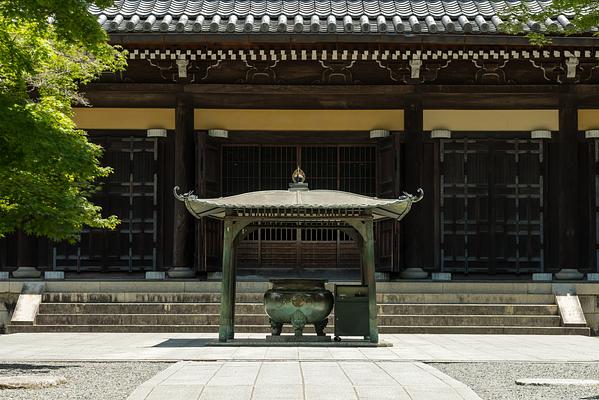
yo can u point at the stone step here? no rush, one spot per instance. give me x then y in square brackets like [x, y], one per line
[465, 298]
[262, 319]
[382, 298]
[145, 308]
[135, 297]
[258, 308]
[507, 330]
[149, 328]
[469, 320]
[145, 319]
[487, 330]
[468, 309]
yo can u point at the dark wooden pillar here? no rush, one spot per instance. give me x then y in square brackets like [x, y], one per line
[567, 185]
[183, 166]
[411, 229]
[26, 249]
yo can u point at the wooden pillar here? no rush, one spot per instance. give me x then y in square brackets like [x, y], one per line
[25, 250]
[183, 167]
[227, 299]
[567, 185]
[26, 259]
[412, 172]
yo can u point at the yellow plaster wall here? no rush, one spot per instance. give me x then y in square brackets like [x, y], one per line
[491, 120]
[298, 120]
[588, 119]
[124, 118]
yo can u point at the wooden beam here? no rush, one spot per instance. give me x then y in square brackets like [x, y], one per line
[334, 96]
[236, 40]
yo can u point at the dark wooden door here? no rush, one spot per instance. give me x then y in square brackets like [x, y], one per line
[491, 205]
[266, 167]
[130, 193]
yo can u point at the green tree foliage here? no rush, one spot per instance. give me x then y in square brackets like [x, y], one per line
[48, 168]
[583, 17]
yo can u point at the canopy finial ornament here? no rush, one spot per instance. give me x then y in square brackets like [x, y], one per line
[298, 175]
[298, 180]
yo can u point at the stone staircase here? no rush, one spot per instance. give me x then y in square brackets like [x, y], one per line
[450, 313]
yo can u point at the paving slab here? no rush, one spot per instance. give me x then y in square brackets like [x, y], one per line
[309, 380]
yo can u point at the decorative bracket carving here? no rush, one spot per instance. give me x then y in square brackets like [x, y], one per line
[182, 67]
[415, 65]
[336, 72]
[414, 71]
[551, 69]
[571, 67]
[165, 67]
[261, 72]
[490, 70]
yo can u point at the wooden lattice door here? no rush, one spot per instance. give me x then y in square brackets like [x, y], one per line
[491, 205]
[130, 193]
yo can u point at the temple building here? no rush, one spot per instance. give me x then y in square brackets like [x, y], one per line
[371, 97]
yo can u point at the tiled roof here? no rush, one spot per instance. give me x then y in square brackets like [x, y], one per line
[313, 16]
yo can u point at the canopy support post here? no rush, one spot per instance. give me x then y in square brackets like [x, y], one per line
[366, 230]
[368, 256]
[226, 330]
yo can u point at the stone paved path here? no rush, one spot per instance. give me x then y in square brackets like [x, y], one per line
[176, 347]
[227, 372]
[302, 380]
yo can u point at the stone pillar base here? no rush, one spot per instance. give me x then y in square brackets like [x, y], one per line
[26, 272]
[413, 273]
[181, 273]
[569, 274]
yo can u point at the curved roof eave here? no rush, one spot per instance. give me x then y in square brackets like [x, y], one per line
[300, 205]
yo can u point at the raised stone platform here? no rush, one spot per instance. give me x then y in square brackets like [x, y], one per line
[297, 339]
[404, 307]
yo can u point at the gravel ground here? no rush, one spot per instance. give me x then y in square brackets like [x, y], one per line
[85, 380]
[496, 381]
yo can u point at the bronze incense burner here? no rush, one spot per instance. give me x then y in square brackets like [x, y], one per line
[298, 302]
